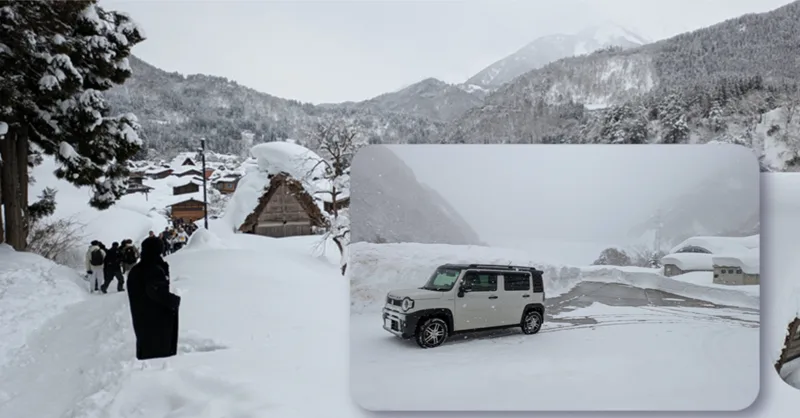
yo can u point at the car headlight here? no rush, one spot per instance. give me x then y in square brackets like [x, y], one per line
[407, 304]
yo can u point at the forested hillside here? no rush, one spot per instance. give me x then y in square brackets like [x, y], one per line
[733, 82]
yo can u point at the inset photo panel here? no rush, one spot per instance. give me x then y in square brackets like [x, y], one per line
[554, 278]
[782, 253]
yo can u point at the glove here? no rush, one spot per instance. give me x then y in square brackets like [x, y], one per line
[88, 272]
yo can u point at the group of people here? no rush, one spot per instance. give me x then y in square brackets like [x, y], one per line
[154, 308]
[175, 237]
[104, 265]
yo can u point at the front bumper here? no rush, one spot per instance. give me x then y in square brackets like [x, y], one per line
[398, 323]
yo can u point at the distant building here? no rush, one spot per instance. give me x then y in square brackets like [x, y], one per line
[158, 172]
[698, 253]
[189, 210]
[739, 270]
[186, 186]
[227, 184]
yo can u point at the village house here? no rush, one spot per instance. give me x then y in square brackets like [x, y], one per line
[739, 270]
[187, 170]
[157, 173]
[189, 210]
[227, 184]
[791, 345]
[186, 186]
[697, 253]
[284, 194]
[136, 184]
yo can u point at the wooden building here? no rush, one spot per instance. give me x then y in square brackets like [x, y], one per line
[209, 172]
[226, 185]
[189, 210]
[284, 210]
[191, 186]
[159, 173]
[342, 203]
[791, 345]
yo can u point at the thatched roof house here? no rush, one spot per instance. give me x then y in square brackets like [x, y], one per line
[285, 194]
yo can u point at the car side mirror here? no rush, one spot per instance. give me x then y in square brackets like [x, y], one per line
[464, 288]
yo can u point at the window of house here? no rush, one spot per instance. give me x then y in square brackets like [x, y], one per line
[738, 271]
[481, 282]
[516, 282]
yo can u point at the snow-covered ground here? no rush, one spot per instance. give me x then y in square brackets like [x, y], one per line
[615, 355]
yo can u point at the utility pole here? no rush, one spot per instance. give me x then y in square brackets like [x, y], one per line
[205, 195]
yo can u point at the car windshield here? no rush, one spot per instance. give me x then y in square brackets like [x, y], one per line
[442, 279]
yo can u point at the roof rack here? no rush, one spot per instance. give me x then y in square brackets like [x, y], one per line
[501, 267]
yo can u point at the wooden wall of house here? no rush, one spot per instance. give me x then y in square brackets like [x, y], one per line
[283, 216]
[225, 187]
[185, 189]
[161, 175]
[791, 346]
[282, 206]
[191, 172]
[190, 211]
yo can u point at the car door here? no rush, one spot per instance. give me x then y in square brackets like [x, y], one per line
[479, 306]
[516, 294]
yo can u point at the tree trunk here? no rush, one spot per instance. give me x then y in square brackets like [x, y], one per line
[11, 195]
[338, 242]
[22, 171]
[2, 223]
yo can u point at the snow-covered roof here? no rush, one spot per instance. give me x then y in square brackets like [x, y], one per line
[177, 162]
[689, 261]
[248, 191]
[173, 181]
[226, 179]
[186, 168]
[300, 163]
[172, 200]
[748, 261]
[156, 170]
[721, 245]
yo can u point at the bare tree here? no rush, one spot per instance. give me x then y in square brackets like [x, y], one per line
[56, 239]
[336, 142]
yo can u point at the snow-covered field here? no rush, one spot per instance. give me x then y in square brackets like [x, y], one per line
[604, 356]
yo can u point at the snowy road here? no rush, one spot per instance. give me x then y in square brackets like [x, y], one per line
[604, 346]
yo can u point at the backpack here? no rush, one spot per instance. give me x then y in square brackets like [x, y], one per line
[97, 257]
[129, 255]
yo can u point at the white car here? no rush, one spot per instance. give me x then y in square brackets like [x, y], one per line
[466, 298]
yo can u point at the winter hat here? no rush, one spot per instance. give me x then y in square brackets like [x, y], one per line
[152, 248]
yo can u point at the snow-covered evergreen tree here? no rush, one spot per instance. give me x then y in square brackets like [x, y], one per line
[56, 58]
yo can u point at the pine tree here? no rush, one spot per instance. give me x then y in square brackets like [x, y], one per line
[56, 59]
[672, 115]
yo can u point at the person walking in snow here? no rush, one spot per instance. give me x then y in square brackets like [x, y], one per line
[154, 309]
[112, 267]
[130, 255]
[95, 257]
[180, 239]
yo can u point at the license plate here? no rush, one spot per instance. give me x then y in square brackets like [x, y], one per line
[387, 323]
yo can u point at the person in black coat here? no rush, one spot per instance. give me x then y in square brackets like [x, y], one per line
[154, 309]
[112, 268]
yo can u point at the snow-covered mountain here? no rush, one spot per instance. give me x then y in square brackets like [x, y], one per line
[547, 49]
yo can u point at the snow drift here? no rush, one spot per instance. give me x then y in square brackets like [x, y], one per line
[375, 269]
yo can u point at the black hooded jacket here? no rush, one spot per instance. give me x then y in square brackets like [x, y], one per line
[154, 309]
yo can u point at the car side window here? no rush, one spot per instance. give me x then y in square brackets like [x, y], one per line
[516, 282]
[481, 282]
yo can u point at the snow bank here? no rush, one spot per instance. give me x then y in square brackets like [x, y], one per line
[721, 245]
[690, 261]
[32, 290]
[375, 269]
[245, 199]
[748, 261]
[245, 349]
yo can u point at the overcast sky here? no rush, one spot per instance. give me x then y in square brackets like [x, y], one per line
[334, 51]
[514, 194]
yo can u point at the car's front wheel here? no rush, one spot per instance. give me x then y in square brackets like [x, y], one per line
[432, 333]
[531, 322]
